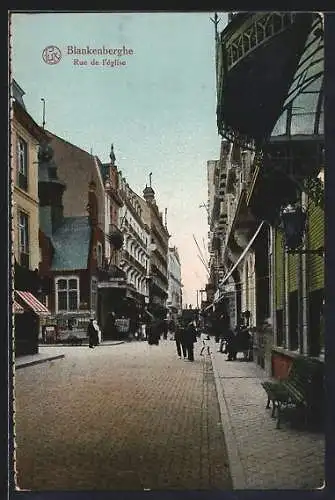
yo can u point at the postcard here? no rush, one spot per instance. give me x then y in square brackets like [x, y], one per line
[168, 247]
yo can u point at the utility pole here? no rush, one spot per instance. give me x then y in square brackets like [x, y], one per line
[215, 21]
[43, 119]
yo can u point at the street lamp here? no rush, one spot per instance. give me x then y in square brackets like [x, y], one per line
[293, 218]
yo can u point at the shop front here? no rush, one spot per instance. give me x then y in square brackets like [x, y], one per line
[119, 308]
[29, 312]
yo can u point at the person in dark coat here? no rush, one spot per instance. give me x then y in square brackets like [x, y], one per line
[165, 329]
[153, 333]
[92, 334]
[232, 339]
[179, 339]
[190, 336]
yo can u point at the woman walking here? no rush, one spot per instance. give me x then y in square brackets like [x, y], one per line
[204, 338]
[92, 335]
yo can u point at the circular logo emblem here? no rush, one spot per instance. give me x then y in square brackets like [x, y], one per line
[51, 54]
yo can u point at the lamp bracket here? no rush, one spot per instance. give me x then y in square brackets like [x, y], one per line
[317, 251]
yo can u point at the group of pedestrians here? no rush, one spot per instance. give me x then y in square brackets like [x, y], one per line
[233, 341]
[185, 338]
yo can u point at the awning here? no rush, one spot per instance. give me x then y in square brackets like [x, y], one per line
[236, 264]
[17, 308]
[31, 301]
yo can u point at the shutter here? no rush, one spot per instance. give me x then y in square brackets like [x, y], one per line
[279, 269]
[292, 272]
[315, 235]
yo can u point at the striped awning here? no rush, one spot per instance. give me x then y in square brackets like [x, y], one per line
[32, 302]
[17, 308]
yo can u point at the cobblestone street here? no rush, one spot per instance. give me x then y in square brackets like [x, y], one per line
[125, 417]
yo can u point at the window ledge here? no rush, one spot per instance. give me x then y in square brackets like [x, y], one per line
[295, 354]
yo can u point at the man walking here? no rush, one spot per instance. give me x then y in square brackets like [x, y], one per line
[178, 336]
[190, 336]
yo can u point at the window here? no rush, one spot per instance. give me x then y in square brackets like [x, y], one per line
[94, 294]
[24, 239]
[22, 164]
[99, 254]
[45, 300]
[67, 294]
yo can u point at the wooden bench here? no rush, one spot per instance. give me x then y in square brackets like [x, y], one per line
[298, 389]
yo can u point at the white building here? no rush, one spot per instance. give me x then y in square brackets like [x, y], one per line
[135, 254]
[174, 302]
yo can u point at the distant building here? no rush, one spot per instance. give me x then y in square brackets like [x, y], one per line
[174, 302]
[70, 259]
[135, 253]
[158, 270]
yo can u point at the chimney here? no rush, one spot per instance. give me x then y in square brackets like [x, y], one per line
[50, 191]
[92, 206]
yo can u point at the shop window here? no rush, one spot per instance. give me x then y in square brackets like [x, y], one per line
[67, 294]
[293, 321]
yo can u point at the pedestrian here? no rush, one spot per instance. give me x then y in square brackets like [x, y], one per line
[190, 337]
[223, 331]
[172, 329]
[153, 333]
[204, 338]
[92, 335]
[232, 344]
[165, 329]
[97, 328]
[178, 336]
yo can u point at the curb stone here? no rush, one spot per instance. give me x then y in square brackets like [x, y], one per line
[38, 361]
[235, 464]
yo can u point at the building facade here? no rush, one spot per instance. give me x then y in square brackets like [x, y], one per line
[159, 244]
[135, 254]
[275, 162]
[26, 136]
[69, 246]
[174, 302]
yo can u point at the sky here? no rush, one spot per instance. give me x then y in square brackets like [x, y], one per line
[159, 109]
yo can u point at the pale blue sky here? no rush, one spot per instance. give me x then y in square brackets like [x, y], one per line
[158, 110]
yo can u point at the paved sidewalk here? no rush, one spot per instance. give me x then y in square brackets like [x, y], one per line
[46, 353]
[261, 456]
[52, 352]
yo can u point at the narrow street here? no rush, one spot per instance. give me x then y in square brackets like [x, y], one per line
[126, 417]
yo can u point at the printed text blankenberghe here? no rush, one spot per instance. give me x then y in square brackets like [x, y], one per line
[74, 50]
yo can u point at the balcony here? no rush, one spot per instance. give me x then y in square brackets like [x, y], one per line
[258, 52]
[112, 273]
[134, 262]
[115, 236]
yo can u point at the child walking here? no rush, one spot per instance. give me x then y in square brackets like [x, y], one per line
[204, 337]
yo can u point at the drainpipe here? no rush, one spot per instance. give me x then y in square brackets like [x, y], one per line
[285, 297]
[300, 304]
[305, 298]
